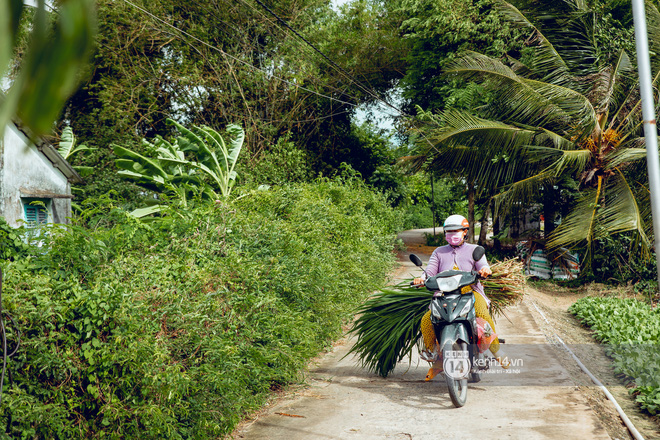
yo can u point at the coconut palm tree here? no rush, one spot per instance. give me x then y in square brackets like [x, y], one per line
[568, 111]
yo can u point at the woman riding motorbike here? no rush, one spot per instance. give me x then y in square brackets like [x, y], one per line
[456, 255]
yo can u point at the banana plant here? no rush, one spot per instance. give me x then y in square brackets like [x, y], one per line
[68, 148]
[199, 163]
[208, 145]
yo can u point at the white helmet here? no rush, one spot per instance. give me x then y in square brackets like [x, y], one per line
[455, 223]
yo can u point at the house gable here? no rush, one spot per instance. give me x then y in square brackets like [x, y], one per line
[30, 173]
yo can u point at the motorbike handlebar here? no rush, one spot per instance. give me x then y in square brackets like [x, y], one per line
[476, 274]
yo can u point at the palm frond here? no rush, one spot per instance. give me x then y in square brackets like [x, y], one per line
[526, 101]
[604, 84]
[489, 152]
[476, 64]
[548, 60]
[487, 167]
[653, 28]
[463, 128]
[622, 212]
[580, 225]
[413, 163]
[629, 111]
[523, 190]
[570, 102]
[388, 327]
[623, 156]
[558, 141]
[560, 161]
[573, 34]
[572, 160]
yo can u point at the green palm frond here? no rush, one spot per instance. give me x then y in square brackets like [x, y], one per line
[627, 118]
[522, 190]
[570, 102]
[463, 128]
[476, 64]
[653, 29]
[624, 156]
[643, 196]
[572, 161]
[557, 163]
[413, 163]
[548, 61]
[526, 101]
[487, 167]
[605, 88]
[581, 224]
[602, 213]
[491, 153]
[388, 327]
[558, 141]
[560, 161]
[622, 212]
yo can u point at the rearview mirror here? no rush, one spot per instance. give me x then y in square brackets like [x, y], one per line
[415, 259]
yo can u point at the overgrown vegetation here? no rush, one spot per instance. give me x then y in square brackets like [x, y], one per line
[177, 328]
[631, 330]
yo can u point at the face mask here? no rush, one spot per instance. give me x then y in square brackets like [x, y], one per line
[454, 238]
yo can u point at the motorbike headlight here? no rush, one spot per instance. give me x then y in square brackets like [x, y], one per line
[449, 284]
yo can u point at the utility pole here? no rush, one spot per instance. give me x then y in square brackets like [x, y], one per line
[648, 114]
[433, 203]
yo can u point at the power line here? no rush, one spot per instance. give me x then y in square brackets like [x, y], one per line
[341, 69]
[236, 59]
[369, 91]
[307, 120]
[261, 13]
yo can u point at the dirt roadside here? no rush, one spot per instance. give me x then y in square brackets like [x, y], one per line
[548, 397]
[553, 303]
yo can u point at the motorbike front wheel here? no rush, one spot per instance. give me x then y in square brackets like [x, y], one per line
[457, 386]
[475, 376]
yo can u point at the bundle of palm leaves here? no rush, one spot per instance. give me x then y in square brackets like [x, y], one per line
[388, 324]
[506, 285]
[388, 327]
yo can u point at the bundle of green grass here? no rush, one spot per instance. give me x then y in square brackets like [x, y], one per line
[388, 324]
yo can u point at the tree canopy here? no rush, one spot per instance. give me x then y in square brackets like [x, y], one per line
[567, 111]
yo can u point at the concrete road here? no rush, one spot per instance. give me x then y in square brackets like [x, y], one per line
[535, 399]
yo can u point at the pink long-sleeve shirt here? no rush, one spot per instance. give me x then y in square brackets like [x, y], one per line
[446, 257]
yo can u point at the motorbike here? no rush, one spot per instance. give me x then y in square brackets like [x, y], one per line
[456, 329]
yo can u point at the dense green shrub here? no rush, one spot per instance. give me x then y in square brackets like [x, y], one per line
[177, 328]
[12, 245]
[283, 163]
[632, 331]
[618, 259]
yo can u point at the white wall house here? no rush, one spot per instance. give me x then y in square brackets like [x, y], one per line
[33, 173]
